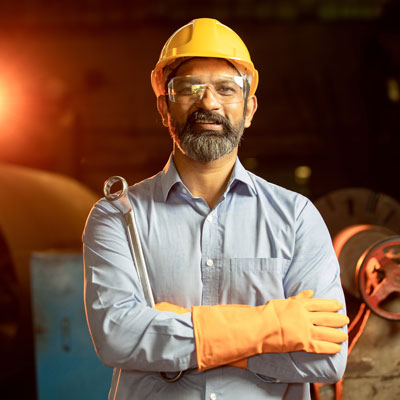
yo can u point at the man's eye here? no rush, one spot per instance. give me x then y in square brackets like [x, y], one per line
[227, 90]
[184, 90]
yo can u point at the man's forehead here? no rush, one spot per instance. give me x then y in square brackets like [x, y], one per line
[206, 66]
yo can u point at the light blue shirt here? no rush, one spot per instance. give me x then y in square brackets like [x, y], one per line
[260, 242]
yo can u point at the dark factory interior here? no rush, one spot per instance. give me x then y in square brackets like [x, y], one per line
[76, 107]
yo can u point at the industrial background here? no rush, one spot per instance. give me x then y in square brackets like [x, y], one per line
[76, 107]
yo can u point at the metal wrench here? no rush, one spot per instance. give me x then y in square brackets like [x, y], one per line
[121, 201]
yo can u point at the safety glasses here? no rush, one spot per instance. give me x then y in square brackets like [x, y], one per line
[190, 89]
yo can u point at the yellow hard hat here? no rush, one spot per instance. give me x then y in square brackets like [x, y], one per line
[203, 37]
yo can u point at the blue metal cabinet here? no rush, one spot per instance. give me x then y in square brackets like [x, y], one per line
[66, 364]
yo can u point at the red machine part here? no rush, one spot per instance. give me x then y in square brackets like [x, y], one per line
[363, 226]
[369, 258]
[350, 245]
[378, 277]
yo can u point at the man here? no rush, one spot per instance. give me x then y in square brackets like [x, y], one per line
[233, 260]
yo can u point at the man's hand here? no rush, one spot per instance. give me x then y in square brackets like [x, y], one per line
[228, 333]
[309, 324]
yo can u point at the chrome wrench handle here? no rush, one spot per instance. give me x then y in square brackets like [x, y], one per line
[121, 201]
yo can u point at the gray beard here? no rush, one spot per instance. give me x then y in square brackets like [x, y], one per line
[206, 146]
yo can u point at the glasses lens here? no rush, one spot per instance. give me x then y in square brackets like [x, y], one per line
[191, 88]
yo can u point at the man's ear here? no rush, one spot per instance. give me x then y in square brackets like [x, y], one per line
[162, 108]
[251, 109]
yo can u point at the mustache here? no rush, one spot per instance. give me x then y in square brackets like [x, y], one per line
[201, 115]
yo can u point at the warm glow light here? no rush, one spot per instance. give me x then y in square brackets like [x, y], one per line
[302, 174]
[6, 100]
[3, 102]
[393, 90]
[13, 96]
[250, 163]
[17, 107]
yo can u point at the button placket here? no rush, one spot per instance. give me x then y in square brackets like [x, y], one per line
[211, 268]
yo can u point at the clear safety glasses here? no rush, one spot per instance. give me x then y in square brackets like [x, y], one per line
[191, 89]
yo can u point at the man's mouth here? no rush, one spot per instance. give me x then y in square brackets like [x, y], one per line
[210, 124]
[207, 121]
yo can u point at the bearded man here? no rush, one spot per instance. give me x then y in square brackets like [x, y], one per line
[249, 300]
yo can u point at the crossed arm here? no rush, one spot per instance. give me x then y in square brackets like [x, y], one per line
[128, 334]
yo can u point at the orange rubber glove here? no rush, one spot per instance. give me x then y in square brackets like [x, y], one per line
[228, 333]
[164, 306]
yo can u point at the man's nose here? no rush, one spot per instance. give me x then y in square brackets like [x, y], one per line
[209, 101]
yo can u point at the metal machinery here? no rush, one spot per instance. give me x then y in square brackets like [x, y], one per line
[67, 366]
[365, 228]
[38, 211]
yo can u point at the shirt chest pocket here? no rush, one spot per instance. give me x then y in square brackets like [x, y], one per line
[253, 281]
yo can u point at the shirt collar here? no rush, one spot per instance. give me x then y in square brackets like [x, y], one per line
[170, 178]
[240, 174]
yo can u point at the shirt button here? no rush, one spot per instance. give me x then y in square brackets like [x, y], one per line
[209, 263]
[209, 218]
[184, 191]
[213, 396]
